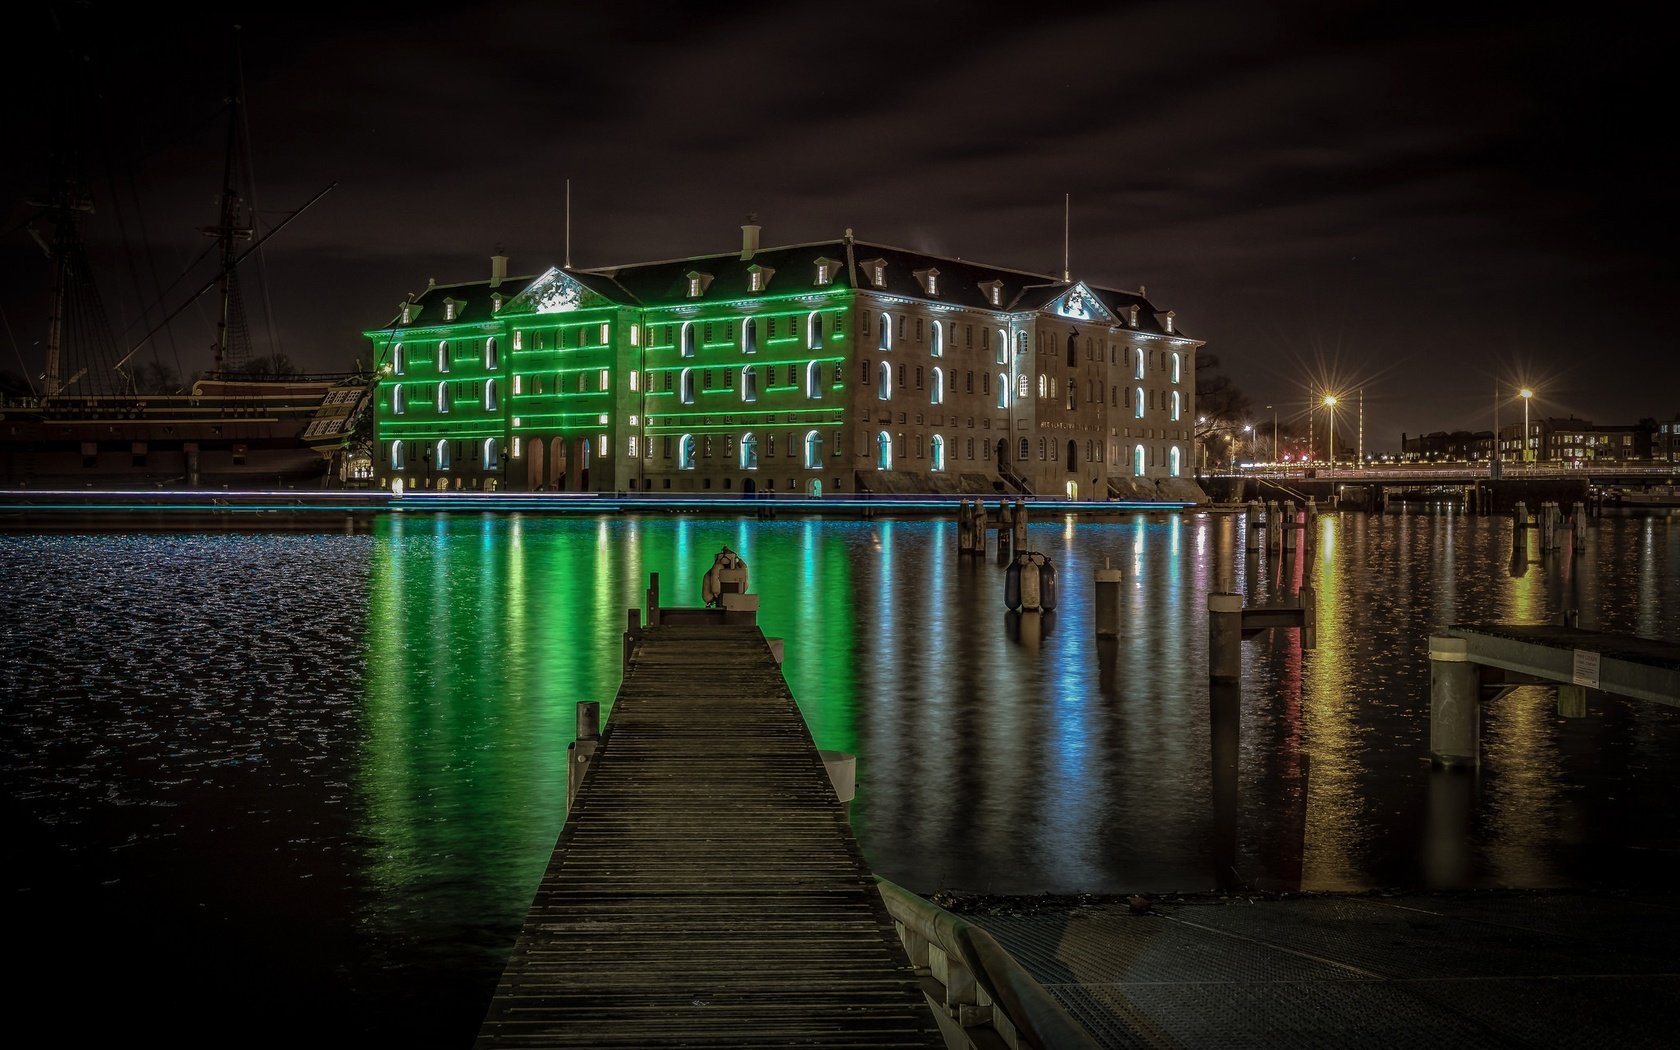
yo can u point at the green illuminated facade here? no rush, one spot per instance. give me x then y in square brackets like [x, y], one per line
[837, 366]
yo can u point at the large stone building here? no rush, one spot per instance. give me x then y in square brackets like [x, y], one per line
[1575, 442]
[813, 368]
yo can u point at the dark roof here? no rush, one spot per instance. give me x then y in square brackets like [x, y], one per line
[961, 283]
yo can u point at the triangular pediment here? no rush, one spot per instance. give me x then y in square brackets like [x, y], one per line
[1079, 303]
[554, 292]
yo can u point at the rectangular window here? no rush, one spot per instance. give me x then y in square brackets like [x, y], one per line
[603, 379]
[635, 335]
[706, 379]
[632, 448]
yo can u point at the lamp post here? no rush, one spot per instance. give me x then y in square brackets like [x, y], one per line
[1330, 408]
[1527, 395]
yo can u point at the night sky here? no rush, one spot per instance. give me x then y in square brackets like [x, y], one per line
[1420, 202]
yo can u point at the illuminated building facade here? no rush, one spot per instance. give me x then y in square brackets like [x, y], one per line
[837, 366]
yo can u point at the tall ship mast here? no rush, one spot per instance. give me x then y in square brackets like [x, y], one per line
[248, 422]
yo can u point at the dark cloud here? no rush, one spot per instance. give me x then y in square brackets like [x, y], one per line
[1427, 200]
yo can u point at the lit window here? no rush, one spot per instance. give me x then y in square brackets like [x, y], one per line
[938, 452]
[938, 340]
[1175, 406]
[933, 282]
[755, 282]
[491, 401]
[443, 397]
[518, 447]
[635, 381]
[813, 450]
[749, 384]
[813, 381]
[1002, 347]
[492, 457]
[397, 461]
[880, 275]
[688, 339]
[601, 444]
[1042, 384]
[749, 337]
[883, 451]
[813, 331]
[519, 340]
[1173, 461]
[997, 295]
[443, 357]
[1137, 368]
[606, 334]
[1137, 408]
[1137, 460]
[884, 387]
[687, 386]
[399, 362]
[1023, 387]
[448, 310]
[1003, 390]
[518, 384]
[440, 455]
[749, 452]
[399, 400]
[694, 287]
[886, 332]
[632, 449]
[1175, 369]
[938, 394]
[490, 357]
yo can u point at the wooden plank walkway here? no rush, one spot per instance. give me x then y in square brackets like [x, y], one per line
[706, 889]
[1643, 668]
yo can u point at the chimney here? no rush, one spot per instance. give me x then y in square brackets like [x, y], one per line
[749, 238]
[498, 269]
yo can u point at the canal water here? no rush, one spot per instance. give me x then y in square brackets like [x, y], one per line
[276, 787]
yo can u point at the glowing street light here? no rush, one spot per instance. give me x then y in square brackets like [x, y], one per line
[1330, 407]
[1527, 395]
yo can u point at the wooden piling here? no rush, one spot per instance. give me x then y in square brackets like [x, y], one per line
[1224, 636]
[1108, 589]
[1454, 703]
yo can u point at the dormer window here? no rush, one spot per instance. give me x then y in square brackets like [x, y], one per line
[449, 309]
[496, 303]
[826, 269]
[1131, 315]
[758, 277]
[876, 269]
[1166, 320]
[698, 283]
[993, 291]
[407, 313]
[929, 280]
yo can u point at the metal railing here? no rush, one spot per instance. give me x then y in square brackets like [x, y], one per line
[976, 983]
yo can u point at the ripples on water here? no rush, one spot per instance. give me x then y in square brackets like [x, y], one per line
[311, 779]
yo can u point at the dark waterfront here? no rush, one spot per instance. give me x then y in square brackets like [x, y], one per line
[295, 780]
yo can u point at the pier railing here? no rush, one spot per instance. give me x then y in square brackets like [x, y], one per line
[981, 995]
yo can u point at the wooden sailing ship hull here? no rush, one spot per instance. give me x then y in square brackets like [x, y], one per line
[227, 433]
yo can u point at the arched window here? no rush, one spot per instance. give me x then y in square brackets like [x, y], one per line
[491, 401]
[1043, 453]
[813, 450]
[749, 337]
[399, 400]
[443, 357]
[443, 397]
[883, 451]
[884, 386]
[398, 460]
[1176, 367]
[886, 331]
[1137, 407]
[813, 330]
[440, 455]
[1002, 343]
[1137, 368]
[813, 381]
[1137, 460]
[1003, 390]
[491, 358]
[1023, 387]
[687, 385]
[938, 452]
[1175, 401]
[1026, 451]
[1042, 384]
[399, 360]
[688, 339]
[685, 452]
[1072, 454]
[938, 339]
[491, 455]
[749, 452]
[1073, 350]
[749, 384]
[937, 397]
[1021, 343]
[1173, 461]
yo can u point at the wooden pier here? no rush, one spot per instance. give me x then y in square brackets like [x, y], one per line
[1472, 663]
[706, 889]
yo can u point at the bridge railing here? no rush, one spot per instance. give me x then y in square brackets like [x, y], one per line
[979, 985]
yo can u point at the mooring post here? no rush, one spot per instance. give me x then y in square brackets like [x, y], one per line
[1548, 526]
[1290, 528]
[1454, 703]
[1020, 525]
[582, 750]
[1224, 555]
[1571, 701]
[979, 528]
[1307, 599]
[1251, 527]
[1224, 636]
[965, 529]
[632, 634]
[1108, 601]
[1578, 527]
[653, 600]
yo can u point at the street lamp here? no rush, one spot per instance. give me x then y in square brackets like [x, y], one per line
[1330, 407]
[1527, 395]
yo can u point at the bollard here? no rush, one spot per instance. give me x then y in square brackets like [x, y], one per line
[632, 635]
[1108, 601]
[1020, 525]
[1454, 703]
[1224, 636]
[965, 529]
[580, 752]
[1307, 600]
[979, 529]
[653, 600]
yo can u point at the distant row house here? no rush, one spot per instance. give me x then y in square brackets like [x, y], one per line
[837, 366]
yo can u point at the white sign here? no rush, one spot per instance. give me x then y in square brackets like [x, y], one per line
[1586, 669]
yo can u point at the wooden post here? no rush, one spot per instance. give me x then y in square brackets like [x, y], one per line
[653, 599]
[1224, 636]
[1307, 599]
[1108, 601]
[582, 750]
[1572, 701]
[1454, 703]
[632, 633]
[1020, 525]
[965, 530]
[979, 528]
[1251, 527]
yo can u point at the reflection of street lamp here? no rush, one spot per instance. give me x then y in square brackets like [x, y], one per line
[1330, 406]
[1527, 395]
